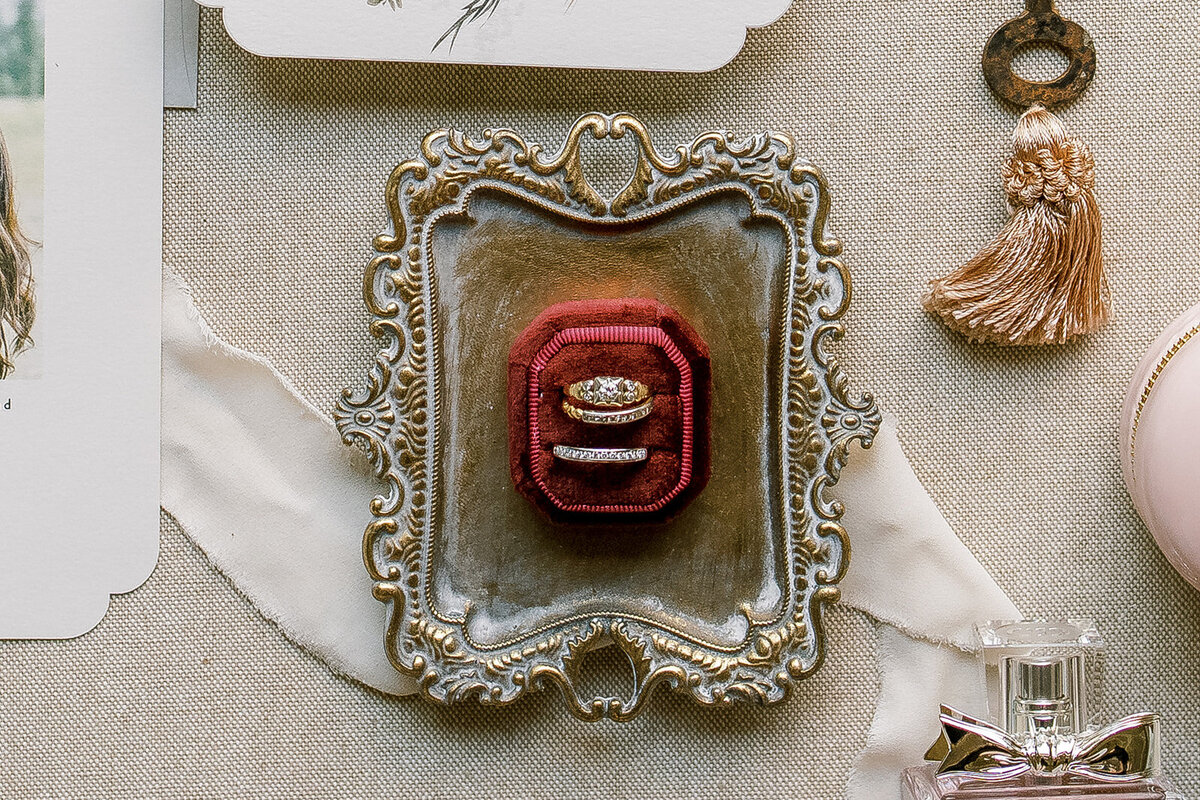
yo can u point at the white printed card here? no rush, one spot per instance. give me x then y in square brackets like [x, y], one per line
[676, 35]
[80, 298]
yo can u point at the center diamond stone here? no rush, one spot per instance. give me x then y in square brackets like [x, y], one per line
[609, 391]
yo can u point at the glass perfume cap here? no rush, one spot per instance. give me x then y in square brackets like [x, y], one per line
[1043, 675]
[1044, 694]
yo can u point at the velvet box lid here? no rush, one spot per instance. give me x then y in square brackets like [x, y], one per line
[1160, 443]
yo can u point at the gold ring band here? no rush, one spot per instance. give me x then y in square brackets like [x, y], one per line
[608, 391]
[601, 455]
[621, 416]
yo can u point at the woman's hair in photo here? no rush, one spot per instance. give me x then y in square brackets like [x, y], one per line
[16, 278]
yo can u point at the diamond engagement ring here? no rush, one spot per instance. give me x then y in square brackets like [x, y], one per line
[608, 390]
[601, 455]
[620, 416]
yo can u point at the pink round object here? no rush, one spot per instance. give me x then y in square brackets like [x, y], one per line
[1160, 443]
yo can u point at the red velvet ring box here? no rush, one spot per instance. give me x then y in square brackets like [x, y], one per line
[639, 339]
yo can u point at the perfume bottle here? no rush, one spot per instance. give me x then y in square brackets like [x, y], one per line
[1043, 740]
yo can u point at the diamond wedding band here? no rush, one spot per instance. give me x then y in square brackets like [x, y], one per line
[608, 391]
[601, 455]
[618, 417]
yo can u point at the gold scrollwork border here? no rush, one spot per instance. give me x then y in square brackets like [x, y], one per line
[392, 415]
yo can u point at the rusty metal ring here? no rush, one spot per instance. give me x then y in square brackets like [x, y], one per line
[1041, 24]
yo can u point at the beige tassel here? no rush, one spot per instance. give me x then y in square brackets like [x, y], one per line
[1041, 280]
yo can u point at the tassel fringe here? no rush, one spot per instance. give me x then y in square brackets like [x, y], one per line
[1041, 280]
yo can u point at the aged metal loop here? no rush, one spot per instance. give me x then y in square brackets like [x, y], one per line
[1041, 24]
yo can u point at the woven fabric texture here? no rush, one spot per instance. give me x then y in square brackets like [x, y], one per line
[273, 190]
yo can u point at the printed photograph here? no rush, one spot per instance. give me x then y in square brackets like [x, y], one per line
[22, 126]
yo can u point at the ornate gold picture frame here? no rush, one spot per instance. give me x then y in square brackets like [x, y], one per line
[486, 599]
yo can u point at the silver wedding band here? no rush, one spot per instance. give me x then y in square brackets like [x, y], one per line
[601, 455]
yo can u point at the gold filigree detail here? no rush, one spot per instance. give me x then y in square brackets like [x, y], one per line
[391, 417]
[1149, 387]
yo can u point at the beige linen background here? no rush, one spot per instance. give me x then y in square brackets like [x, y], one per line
[273, 190]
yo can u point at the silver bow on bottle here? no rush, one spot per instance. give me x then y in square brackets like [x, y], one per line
[1124, 751]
